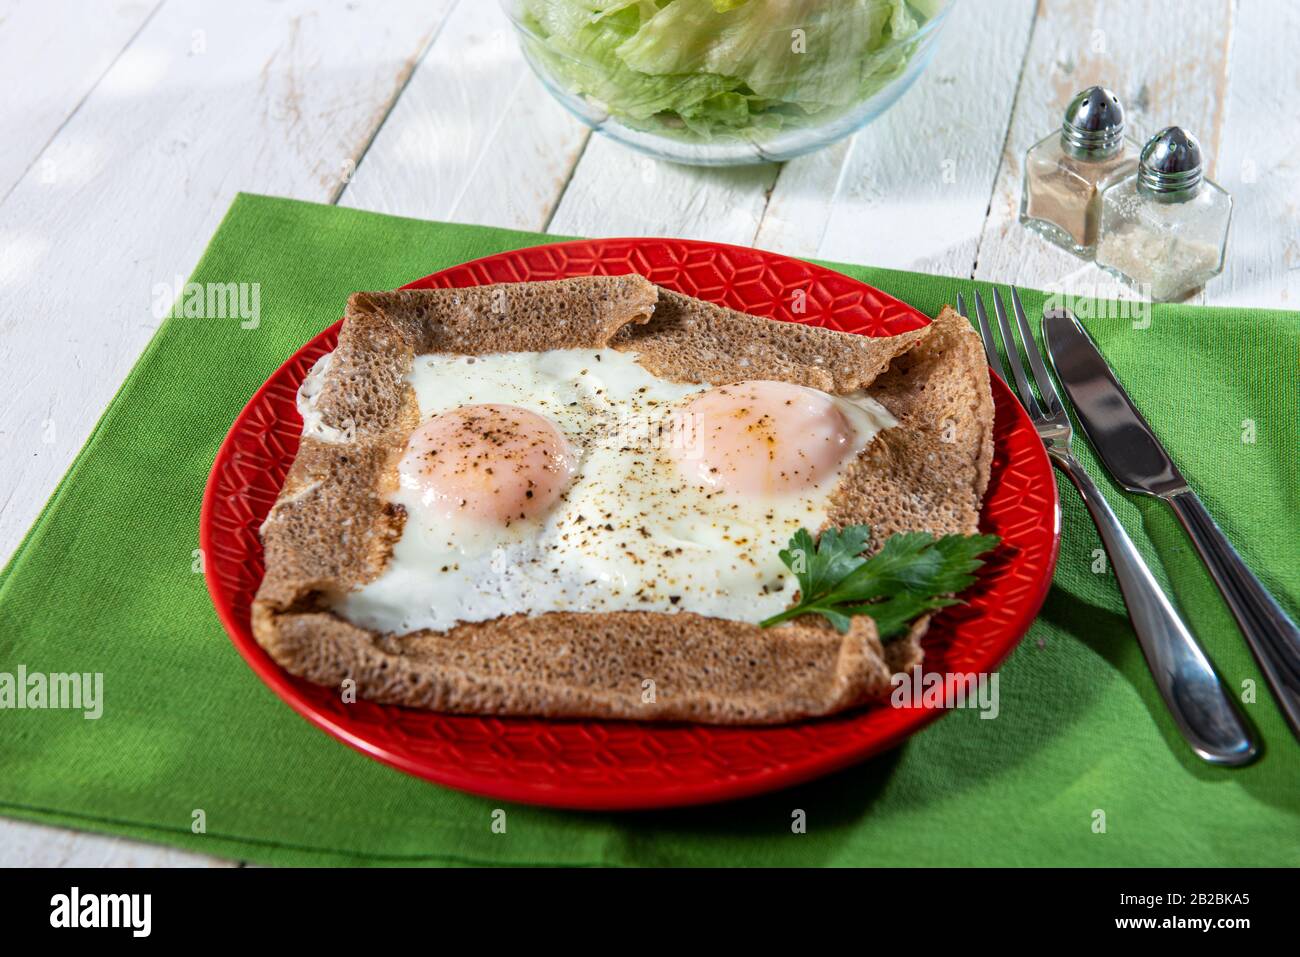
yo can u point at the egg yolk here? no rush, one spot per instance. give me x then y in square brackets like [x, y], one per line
[761, 437]
[493, 463]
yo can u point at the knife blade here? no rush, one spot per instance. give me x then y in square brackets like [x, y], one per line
[1137, 460]
[1113, 424]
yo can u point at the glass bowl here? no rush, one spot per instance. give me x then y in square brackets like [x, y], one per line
[727, 82]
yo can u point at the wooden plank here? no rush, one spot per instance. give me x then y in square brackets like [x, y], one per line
[280, 99]
[912, 192]
[1257, 161]
[803, 199]
[47, 66]
[207, 99]
[475, 137]
[618, 192]
[1165, 68]
[35, 845]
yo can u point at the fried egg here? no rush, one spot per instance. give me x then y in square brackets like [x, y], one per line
[576, 480]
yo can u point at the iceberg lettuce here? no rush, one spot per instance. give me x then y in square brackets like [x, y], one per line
[724, 67]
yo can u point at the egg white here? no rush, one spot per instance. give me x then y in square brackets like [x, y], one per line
[631, 532]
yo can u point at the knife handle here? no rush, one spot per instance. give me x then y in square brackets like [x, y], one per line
[1273, 638]
[1205, 713]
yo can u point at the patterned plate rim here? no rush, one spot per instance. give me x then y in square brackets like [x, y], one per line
[585, 797]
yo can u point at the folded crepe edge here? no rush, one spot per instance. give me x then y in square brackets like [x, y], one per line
[331, 529]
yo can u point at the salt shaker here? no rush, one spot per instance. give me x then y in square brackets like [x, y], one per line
[1165, 228]
[1066, 172]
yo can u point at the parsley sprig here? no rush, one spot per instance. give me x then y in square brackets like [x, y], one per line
[913, 573]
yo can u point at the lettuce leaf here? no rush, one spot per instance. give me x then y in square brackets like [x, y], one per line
[725, 67]
[803, 51]
[582, 37]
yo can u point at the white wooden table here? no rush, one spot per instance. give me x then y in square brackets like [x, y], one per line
[127, 127]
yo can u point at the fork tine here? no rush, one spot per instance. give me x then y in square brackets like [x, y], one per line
[1015, 357]
[1041, 376]
[990, 344]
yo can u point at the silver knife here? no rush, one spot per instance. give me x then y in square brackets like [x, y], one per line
[1138, 462]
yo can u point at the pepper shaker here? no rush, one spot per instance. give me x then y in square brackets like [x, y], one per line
[1165, 228]
[1066, 172]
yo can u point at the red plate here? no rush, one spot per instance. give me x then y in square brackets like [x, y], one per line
[621, 764]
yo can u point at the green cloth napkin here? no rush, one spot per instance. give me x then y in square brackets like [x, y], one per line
[106, 582]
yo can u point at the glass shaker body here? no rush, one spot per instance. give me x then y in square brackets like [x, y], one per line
[1061, 194]
[1165, 249]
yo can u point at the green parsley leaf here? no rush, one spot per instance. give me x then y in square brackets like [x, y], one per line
[913, 573]
[836, 553]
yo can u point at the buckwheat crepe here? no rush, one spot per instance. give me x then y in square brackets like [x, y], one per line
[332, 530]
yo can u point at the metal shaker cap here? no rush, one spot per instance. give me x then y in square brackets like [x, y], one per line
[1093, 127]
[1170, 167]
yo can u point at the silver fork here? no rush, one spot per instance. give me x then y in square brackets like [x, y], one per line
[1203, 710]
